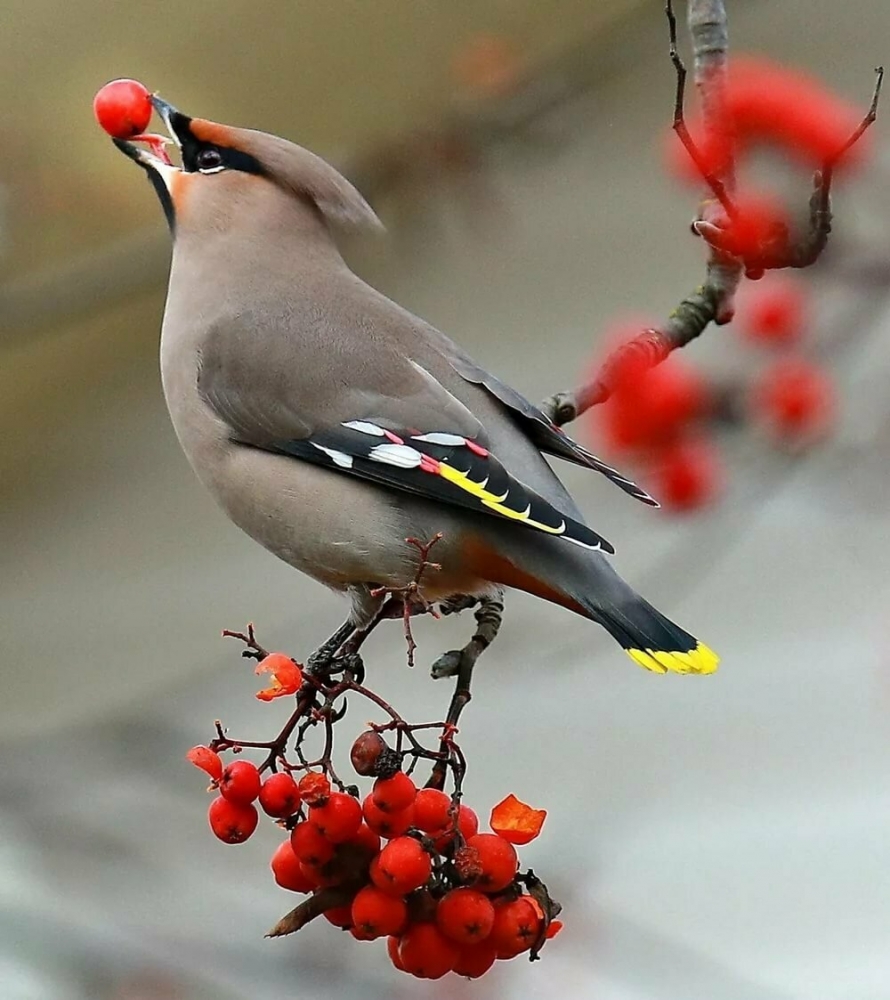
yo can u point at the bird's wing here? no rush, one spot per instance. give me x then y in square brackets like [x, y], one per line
[540, 428]
[389, 422]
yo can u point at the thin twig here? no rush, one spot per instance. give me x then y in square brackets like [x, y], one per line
[712, 301]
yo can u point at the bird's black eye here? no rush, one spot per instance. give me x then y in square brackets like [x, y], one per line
[209, 159]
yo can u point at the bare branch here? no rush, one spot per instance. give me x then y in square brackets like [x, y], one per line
[714, 299]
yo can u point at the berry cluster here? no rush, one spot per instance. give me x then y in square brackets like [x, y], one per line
[662, 417]
[404, 863]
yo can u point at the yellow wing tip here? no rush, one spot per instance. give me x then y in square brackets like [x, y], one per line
[701, 660]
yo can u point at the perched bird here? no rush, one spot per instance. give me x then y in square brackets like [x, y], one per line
[331, 424]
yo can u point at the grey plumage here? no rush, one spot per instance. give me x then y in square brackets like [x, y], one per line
[330, 423]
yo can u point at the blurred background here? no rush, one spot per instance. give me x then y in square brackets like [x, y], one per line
[721, 837]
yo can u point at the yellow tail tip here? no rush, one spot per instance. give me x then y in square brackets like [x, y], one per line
[700, 660]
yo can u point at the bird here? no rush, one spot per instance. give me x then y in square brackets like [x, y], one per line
[332, 425]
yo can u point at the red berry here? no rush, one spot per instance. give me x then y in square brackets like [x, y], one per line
[311, 874]
[310, 846]
[240, 782]
[651, 406]
[498, 860]
[773, 312]
[769, 103]
[516, 927]
[688, 476]
[403, 865]
[465, 916]
[339, 818]
[314, 789]
[759, 225]
[231, 822]
[394, 794]
[392, 949]
[288, 871]
[796, 401]
[361, 935]
[123, 108]
[279, 795]
[387, 824]
[431, 809]
[339, 916]
[425, 952]
[366, 839]
[377, 913]
[475, 960]
[208, 760]
[467, 825]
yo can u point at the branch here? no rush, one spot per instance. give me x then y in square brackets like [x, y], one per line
[314, 906]
[714, 299]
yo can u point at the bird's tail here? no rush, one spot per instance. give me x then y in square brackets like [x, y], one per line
[586, 583]
[651, 639]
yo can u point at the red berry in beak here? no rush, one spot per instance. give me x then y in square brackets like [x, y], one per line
[123, 108]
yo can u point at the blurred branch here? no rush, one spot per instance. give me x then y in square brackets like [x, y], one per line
[718, 214]
[714, 299]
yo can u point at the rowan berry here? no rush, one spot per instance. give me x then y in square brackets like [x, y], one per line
[279, 795]
[403, 865]
[287, 870]
[314, 788]
[689, 475]
[371, 756]
[392, 949]
[475, 960]
[367, 840]
[394, 794]
[377, 913]
[310, 845]
[387, 825]
[465, 916]
[340, 916]
[123, 108]
[425, 952]
[796, 400]
[467, 825]
[774, 312]
[231, 822]
[339, 818]
[498, 861]
[240, 782]
[516, 927]
[431, 810]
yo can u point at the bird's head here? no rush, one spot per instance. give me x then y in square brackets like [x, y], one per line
[223, 168]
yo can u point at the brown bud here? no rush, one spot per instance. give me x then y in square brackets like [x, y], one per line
[467, 864]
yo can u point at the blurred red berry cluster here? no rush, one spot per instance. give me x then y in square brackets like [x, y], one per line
[664, 419]
[770, 104]
[764, 104]
[404, 863]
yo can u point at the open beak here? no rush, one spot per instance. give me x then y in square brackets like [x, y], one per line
[155, 157]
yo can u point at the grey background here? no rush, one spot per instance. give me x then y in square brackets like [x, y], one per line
[722, 837]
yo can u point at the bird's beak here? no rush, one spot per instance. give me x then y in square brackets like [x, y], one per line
[155, 158]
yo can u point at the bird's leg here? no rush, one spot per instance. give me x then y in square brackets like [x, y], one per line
[459, 664]
[488, 616]
[322, 658]
[456, 603]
